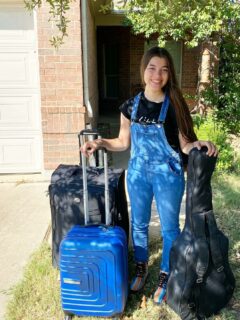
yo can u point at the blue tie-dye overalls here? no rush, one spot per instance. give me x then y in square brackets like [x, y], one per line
[155, 169]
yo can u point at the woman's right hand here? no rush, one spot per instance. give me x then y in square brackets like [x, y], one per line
[116, 144]
[90, 146]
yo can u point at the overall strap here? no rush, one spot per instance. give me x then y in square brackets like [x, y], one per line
[200, 245]
[135, 106]
[164, 109]
[214, 242]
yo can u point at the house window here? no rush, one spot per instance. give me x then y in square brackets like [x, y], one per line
[111, 70]
[175, 49]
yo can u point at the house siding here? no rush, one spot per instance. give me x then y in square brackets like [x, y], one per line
[61, 82]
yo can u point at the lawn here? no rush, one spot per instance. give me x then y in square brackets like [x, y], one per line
[37, 296]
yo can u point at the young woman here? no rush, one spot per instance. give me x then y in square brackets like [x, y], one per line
[158, 125]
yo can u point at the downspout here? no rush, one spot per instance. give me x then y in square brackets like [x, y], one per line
[85, 58]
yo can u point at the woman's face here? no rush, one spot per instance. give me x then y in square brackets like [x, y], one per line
[156, 74]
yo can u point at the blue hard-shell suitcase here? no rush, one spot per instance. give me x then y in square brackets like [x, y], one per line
[94, 264]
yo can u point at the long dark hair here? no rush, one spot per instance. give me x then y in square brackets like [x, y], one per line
[184, 119]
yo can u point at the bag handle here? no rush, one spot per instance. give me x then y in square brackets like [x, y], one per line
[97, 159]
[108, 221]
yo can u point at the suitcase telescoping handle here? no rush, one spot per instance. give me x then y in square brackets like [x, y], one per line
[85, 189]
[97, 160]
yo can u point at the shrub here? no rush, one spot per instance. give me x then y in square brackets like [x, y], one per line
[206, 129]
[224, 94]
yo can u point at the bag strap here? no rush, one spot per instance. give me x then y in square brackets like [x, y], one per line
[200, 245]
[201, 224]
[214, 241]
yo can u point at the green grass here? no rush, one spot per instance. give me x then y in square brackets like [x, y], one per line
[37, 296]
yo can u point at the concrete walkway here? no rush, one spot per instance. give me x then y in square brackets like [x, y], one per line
[25, 218]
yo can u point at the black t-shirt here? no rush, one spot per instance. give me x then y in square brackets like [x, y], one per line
[148, 113]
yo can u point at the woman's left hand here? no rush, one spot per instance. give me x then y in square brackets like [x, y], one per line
[212, 150]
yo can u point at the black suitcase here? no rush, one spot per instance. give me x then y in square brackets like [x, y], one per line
[66, 200]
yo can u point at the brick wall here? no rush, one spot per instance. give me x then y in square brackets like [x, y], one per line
[63, 113]
[190, 64]
[137, 50]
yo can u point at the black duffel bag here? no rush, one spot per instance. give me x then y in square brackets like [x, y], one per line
[201, 281]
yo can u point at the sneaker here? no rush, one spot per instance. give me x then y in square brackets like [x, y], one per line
[160, 293]
[139, 280]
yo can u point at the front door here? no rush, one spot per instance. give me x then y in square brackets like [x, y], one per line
[113, 67]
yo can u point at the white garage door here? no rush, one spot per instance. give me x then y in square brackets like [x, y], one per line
[20, 120]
